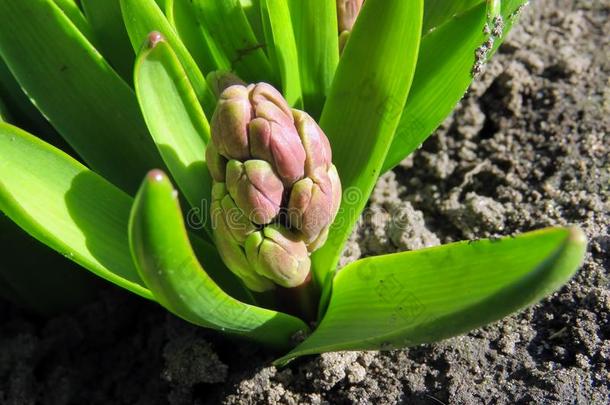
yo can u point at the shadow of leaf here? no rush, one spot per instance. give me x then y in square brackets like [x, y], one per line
[101, 212]
[37, 277]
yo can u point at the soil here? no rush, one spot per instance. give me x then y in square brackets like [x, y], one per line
[527, 147]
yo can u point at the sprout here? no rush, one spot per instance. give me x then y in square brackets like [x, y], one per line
[245, 126]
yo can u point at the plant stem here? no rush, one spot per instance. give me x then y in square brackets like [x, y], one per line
[301, 301]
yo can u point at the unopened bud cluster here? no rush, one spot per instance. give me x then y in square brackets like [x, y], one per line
[275, 191]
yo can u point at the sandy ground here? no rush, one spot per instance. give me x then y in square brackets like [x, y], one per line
[527, 147]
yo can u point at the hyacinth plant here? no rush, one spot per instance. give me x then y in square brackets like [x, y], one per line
[274, 120]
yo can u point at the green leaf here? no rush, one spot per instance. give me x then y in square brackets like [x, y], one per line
[511, 7]
[228, 26]
[316, 34]
[409, 298]
[25, 115]
[510, 12]
[196, 37]
[444, 72]
[73, 12]
[175, 118]
[437, 12]
[363, 108]
[168, 265]
[67, 207]
[77, 213]
[282, 48]
[252, 10]
[110, 34]
[74, 87]
[215, 268]
[142, 17]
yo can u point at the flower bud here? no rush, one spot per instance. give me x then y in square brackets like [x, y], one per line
[219, 80]
[347, 12]
[230, 123]
[276, 189]
[255, 189]
[278, 254]
[217, 164]
[273, 136]
[230, 250]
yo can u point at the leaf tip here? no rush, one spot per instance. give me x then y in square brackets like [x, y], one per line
[577, 236]
[153, 39]
[283, 361]
[156, 175]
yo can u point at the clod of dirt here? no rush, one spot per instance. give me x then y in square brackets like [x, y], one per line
[190, 360]
[475, 215]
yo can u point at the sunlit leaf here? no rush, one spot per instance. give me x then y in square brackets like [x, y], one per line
[67, 207]
[437, 12]
[405, 299]
[447, 60]
[76, 89]
[282, 49]
[228, 26]
[196, 37]
[252, 10]
[79, 214]
[175, 118]
[444, 72]
[23, 113]
[110, 34]
[363, 108]
[168, 265]
[316, 34]
[142, 17]
[74, 13]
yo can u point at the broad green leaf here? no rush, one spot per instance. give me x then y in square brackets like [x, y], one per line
[175, 119]
[196, 37]
[168, 265]
[74, 13]
[252, 10]
[215, 268]
[67, 207]
[12, 94]
[363, 108]
[409, 298]
[24, 114]
[77, 213]
[142, 17]
[281, 47]
[316, 33]
[74, 87]
[228, 26]
[444, 72]
[110, 34]
[437, 12]
[510, 7]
